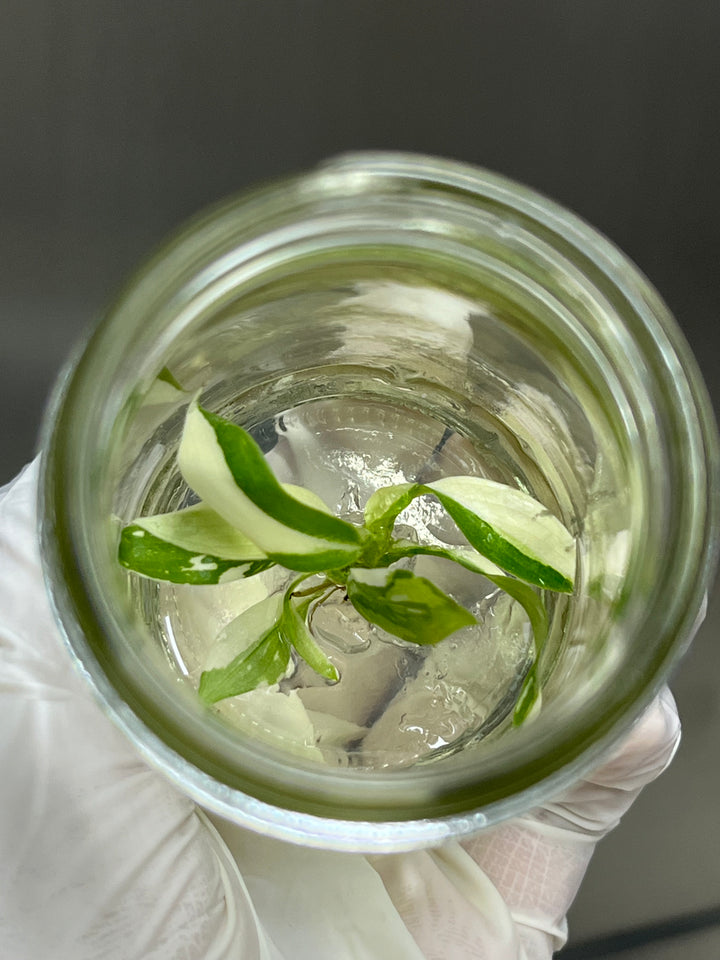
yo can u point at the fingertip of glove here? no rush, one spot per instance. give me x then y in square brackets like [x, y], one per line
[648, 749]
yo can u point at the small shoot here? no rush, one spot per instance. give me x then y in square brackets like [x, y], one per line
[247, 521]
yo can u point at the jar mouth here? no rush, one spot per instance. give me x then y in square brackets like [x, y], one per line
[458, 224]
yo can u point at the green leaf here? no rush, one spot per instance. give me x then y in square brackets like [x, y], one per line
[264, 652]
[471, 560]
[537, 614]
[222, 463]
[194, 545]
[166, 376]
[384, 506]
[523, 593]
[407, 606]
[531, 603]
[297, 633]
[164, 390]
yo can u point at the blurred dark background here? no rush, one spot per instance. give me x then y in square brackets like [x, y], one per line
[120, 118]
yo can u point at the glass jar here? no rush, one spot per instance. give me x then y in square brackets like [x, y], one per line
[408, 298]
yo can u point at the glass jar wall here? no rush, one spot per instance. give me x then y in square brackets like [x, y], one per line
[381, 317]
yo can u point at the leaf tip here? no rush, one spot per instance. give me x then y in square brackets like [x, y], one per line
[205, 688]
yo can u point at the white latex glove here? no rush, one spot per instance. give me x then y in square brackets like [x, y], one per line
[504, 893]
[99, 857]
[102, 859]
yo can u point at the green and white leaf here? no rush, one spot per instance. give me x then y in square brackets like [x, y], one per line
[263, 657]
[194, 545]
[506, 525]
[467, 557]
[407, 606]
[527, 698]
[510, 528]
[199, 528]
[240, 633]
[225, 467]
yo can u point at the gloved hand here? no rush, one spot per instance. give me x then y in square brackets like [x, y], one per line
[100, 857]
[504, 893]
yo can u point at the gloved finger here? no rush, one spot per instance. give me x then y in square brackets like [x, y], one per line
[99, 856]
[646, 751]
[319, 904]
[505, 892]
[537, 862]
[596, 803]
[449, 905]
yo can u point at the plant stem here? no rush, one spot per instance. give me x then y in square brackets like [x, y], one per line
[309, 591]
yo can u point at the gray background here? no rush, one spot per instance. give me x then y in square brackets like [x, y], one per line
[120, 118]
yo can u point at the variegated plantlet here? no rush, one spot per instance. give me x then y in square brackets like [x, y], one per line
[247, 521]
